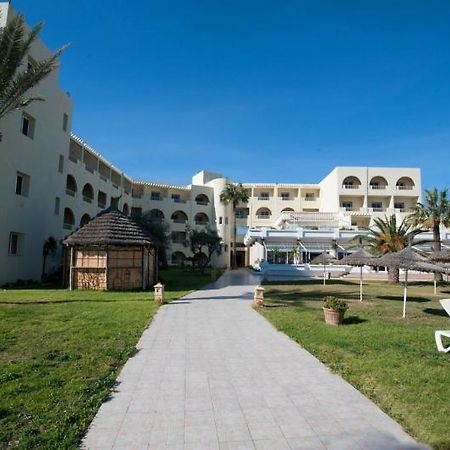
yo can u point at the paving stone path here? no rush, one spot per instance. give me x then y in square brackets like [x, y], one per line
[211, 373]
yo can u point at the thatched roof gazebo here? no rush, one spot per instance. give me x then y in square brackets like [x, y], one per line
[442, 256]
[324, 258]
[111, 252]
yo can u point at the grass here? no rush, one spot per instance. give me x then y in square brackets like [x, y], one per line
[392, 361]
[60, 353]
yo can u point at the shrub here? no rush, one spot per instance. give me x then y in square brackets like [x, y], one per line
[335, 304]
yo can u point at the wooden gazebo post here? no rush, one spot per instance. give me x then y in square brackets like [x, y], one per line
[71, 269]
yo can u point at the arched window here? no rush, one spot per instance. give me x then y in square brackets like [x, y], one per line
[351, 182]
[201, 219]
[179, 217]
[202, 199]
[126, 209]
[69, 219]
[71, 186]
[405, 184]
[88, 193]
[156, 215]
[287, 210]
[84, 220]
[263, 213]
[178, 258]
[378, 183]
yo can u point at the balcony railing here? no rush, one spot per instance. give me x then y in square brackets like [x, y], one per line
[263, 198]
[310, 199]
[287, 198]
[87, 199]
[351, 186]
[376, 187]
[102, 177]
[67, 226]
[101, 205]
[263, 216]
[377, 209]
[157, 199]
[70, 192]
[201, 222]
[179, 220]
[202, 202]
[405, 188]
[178, 200]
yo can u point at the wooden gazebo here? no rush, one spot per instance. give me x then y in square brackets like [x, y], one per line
[111, 252]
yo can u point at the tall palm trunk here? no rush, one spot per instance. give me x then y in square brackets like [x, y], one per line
[436, 245]
[393, 274]
[233, 241]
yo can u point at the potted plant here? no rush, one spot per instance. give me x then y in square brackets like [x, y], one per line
[334, 310]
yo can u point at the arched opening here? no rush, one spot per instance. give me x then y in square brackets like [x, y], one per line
[126, 209]
[69, 219]
[351, 182]
[84, 220]
[178, 258]
[405, 184]
[378, 183]
[88, 193]
[263, 213]
[202, 199]
[71, 186]
[156, 215]
[179, 217]
[201, 219]
[287, 210]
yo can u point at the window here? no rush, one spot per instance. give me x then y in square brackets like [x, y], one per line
[61, 164]
[264, 196]
[57, 205]
[377, 206]
[226, 220]
[22, 184]
[28, 125]
[155, 195]
[101, 199]
[15, 243]
[176, 198]
[348, 206]
[285, 196]
[65, 124]
[399, 205]
[310, 196]
[220, 220]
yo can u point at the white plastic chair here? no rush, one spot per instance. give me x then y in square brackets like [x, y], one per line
[440, 333]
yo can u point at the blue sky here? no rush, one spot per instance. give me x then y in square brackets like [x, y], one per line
[276, 91]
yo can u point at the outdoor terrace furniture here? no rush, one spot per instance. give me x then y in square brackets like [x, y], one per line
[440, 333]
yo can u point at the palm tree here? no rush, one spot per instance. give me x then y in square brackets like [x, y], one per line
[50, 246]
[386, 236]
[15, 83]
[234, 194]
[431, 215]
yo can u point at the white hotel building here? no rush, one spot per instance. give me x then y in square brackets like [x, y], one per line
[51, 183]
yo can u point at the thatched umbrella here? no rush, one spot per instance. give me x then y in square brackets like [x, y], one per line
[442, 257]
[324, 259]
[407, 259]
[358, 259]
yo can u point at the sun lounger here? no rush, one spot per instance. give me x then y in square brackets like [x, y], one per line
[440, 333]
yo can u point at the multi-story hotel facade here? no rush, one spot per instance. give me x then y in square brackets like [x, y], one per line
[52, 183]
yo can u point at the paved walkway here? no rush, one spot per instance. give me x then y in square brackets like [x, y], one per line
[211, 373]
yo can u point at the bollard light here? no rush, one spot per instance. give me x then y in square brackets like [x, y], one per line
[159, 293]
[258, 299]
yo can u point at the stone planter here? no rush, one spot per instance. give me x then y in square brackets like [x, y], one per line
[333, 317]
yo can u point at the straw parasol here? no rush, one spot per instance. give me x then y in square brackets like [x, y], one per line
[407, 259]
[443, 256]
[359, 259]
[324, 258]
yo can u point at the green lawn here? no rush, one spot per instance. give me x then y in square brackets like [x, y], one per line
[60, 353]
[392, 361]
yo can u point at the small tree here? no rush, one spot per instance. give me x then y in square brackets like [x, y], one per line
[49, 248]
[15, 83]
[158, 230]
[234, 194]
[206, 242]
